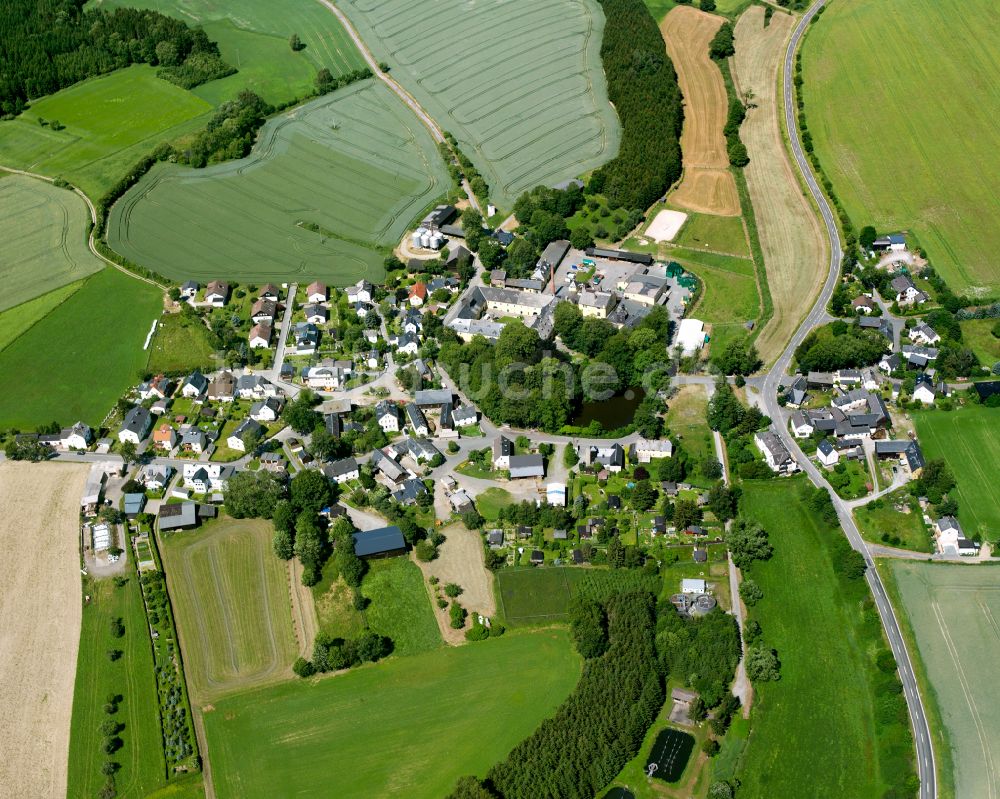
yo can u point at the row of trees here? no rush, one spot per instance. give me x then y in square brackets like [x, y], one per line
[47, 45]
[643, 86]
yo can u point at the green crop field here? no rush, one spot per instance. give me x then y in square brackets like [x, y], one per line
[230, 594]
[44, 232]
[877, 118]
[400, 606]
[14, 321]
[969, 442]
[180, 344]
[818, 720]
[406, 727]
[253, 37]
[520, 84]
[533, 595]
[953, 611]
[357, 165]
[131, 677]
[111, 122]
[76, 361]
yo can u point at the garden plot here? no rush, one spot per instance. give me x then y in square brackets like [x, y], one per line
[326, 188]
[519, 83]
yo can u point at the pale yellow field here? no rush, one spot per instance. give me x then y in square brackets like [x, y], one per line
[707, 185]
[795, 253]
[40, 614]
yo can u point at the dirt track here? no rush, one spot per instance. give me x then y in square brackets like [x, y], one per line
[707, 185]
[40, 615]
[794, 248]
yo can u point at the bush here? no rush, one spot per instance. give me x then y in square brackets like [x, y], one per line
[751, 592]
[452, 590]
[457, 614]
[425, 551]
[303, 667]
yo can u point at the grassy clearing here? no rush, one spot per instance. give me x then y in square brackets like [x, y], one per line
[949, 612]
[348, 735]
[233, 610]
[977, 335]
[400, 606]
[519, 84]
[44, 230]
[542, 595]
[807, 723]
[491, 500]
[325, 187]
[131, 676]
[111, 121]
[14, 321]
[894, 519]
[969, 442]
[886, 159]
[720, 233]
[180, 345]
[335, 612]
[686, 420]
[253, 37]
[792, 242]
[93, 339]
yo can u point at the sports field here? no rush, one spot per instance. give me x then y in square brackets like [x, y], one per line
[408, 727]
[707, 185]
[44, 232]
[954, 612]
[230, 594]
[253, 37]
[110, 123]
[131, 677]
[794, 248]
[542, 595]
[809, 722]
[520, 84]
[93, 339]
[882, 82]
[355, 166]
[39, 625]
[969, 442]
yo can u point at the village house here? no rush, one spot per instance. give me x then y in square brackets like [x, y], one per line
[418, 294]
[135, 426]
[270, 292]
[391, 470]
[596, 304]
[222, 388]
[260, 336]
[266, 410]
[610, 457]
[826, 453]
[906, 291]
[360, 292]
[189, 289]
[245, 431]
[863, 304]
[194, 386]
[924, 390]
[775, 454]
[416, 419]
[924, 334]
[907, 452]
[194, 440]
[503, 449]
[155, 476]
[411, 490]
[342, 471]
[316, 314]
[387, 416]
[645, 450]
[264, 311]
[164, 438]
[256, 387]
[951, 540]
[316, 292]
[204, 477]
[217, 293]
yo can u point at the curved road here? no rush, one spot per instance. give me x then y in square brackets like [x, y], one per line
[926, 766]
[403, 95]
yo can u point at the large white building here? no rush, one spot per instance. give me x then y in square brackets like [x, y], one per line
[690, 336]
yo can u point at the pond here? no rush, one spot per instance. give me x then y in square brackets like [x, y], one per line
[612, 413]
[670, 754]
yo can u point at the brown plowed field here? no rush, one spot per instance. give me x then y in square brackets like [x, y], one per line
[40, 614]
[707, 185]
[790, 236]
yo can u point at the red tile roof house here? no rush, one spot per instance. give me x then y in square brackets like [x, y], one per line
[418, 294]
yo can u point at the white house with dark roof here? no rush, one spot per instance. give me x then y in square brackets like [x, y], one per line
[266, 410]
[906, 291]
[342, 471]
[244, 430]
[645, 450]
[951, 540]
[503, 449]
[924, 334]
[136, 425]
[388, 417]
[775, 453]
[416, 419]
[316, 314]
[924, 391]
[195, 385]
[217, 293]
[826, 453]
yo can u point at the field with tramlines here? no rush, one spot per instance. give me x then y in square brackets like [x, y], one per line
[326, 186]
[519, 83]
[233, 609]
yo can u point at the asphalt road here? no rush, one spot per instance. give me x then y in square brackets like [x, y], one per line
[926, 766]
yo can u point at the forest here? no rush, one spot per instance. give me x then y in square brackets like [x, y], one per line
[643, 87]
[47, 45]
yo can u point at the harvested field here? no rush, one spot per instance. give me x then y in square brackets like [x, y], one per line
[460, 561]
[707, 185]
[795, 253]
[39, 625]
[666, 225]
[230, 594]
[520, 83]
[326, 186]
[44, 233]
[903, 114]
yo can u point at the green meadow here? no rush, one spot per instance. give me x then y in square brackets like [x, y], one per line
[73, 363]
[902, 98]
[406, 727]
[969, 441]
